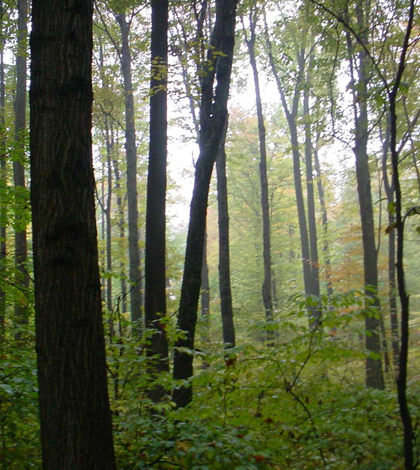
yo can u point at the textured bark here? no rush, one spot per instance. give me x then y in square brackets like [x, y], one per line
[2, 177]
[265, 205]
[374, 374]
[131, 156]
[21, 246]
[76, 428]
[226, 307]
[205, 291]
[213, 114]
[155, 258]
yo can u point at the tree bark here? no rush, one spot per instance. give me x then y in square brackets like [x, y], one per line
[213, 113]
[21, 246]
[226, 307]
[131, 156]
[155, 257]
[76, 428]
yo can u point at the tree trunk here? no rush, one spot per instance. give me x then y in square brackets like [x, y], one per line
[226, 308]
[313, 239]
[205, 293]
[326, 249]
[3, 213]
[374, 374]
[131, 156]
[213, 113]
[265, 205]
[21, 248]
[392, 279]
[155, 258]
[76, 428]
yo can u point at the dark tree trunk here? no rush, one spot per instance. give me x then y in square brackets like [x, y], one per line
[21, 247]
[76, 428]
[399, 223]
[131, 156]
[374, 374]
[226, 308]
[2, 176]
[213, 114]
[155, 300]
[392, 276]
[265, 205]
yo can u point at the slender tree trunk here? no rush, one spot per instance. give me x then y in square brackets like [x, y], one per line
[399, 223]
[313, 239]
[226, 307]
[374, 374]
[3, 214]
[109, 153]
[21, 248]
[121, 225]
[392, 276]
[205, 292]
[213, 114]
[76, 428]
[326, 249]
[155, 300]
[131, 156]
[265, 205]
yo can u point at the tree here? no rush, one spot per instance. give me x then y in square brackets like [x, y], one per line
[267, 288]
[21, 248]
[155, 258]
[213, 114]
[76, 428]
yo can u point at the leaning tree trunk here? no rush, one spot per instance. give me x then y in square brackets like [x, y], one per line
[226, 307]
[76, 428]
[265, 205]
[213, 114]
[155, 300]
[21, 246]
[131, 156]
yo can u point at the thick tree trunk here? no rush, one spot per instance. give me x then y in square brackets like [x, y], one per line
[76, 428]
[155, 300]
[213, 114]
[265, 205]
[21, 247]
[131, 156]
[226, 307]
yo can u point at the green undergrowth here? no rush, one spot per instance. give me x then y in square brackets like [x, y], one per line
[288, 399]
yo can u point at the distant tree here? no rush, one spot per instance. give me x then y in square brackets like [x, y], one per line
[76, 428]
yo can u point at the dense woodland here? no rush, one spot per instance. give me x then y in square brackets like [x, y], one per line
[209, 234]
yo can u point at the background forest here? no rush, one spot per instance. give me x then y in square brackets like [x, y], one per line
[302, 350]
